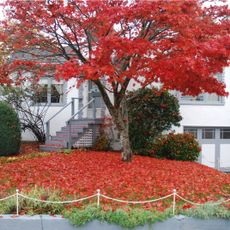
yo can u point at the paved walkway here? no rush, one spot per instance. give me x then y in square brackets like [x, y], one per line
[45, 222]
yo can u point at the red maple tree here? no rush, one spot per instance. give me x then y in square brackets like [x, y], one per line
[181, 44]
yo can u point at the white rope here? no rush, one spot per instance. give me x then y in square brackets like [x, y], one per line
[8, 197]
[193, 203]
[57, 202]
[136, 202]
[111, 198]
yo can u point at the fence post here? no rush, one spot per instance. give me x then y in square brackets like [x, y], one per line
[174, 201]
[17, 203]
[98, 198]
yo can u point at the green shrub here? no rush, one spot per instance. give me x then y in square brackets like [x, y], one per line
[150, 113]
[182, 147]
[10, 131]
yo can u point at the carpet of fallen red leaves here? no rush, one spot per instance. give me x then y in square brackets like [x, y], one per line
[81, 173]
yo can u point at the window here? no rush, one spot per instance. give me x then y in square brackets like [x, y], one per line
[49, 91]
[41, 93]
[208, 133]
[224, 133]
[191, 98]
[56, 93]
[193, 131]
[205, 133]
[204, 98]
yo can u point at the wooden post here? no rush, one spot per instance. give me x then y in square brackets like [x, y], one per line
[98, 198]
[17, 202]
[174, 201]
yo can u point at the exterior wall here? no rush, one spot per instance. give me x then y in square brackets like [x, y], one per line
[215, 151]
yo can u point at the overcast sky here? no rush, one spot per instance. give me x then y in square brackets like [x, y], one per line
[1, 13]
[2, 16]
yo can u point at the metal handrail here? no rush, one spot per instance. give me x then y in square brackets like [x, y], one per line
[72, 117]
[73, 98]
[48, 121]
[59, 111]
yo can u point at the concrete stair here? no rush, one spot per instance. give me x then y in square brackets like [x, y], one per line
[77, 133]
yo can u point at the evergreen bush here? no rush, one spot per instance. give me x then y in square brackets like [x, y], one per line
[10, 131]
[150, 113]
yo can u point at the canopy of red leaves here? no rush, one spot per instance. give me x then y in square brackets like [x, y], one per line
[82, 173]
[181, 44]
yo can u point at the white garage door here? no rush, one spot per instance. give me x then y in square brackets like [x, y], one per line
[208, 155]
[215, 146]
[224, 155]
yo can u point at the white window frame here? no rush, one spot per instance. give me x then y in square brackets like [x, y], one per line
[200, 129]
[49, 81]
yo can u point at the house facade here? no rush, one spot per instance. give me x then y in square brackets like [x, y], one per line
[207, 118]
[74, 117]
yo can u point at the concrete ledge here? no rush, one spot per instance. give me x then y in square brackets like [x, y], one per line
[46, 222]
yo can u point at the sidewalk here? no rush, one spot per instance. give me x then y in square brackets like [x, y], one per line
[44, 222]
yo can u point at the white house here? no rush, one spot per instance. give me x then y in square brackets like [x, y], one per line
[74, 116]
[207, 117]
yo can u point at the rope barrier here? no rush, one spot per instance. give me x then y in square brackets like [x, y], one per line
[135, 202]
[98, 195]
[56, 202]
[8, 197]
[193, 203]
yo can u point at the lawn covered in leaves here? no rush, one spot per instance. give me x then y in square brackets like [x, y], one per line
[81, 173]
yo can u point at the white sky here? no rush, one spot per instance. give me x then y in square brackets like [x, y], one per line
[2, 15]
[1, 12]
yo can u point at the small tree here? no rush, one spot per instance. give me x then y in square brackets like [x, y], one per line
[150, 113]
[31, 113]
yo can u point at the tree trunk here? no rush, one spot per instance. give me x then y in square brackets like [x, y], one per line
[118, 111]
[122, 123]
[126, 154]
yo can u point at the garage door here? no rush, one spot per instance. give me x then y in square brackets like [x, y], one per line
[215, 146]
